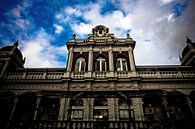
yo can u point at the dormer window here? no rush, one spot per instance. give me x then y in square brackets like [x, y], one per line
[121, 64]
[80, 65]
[100, 64]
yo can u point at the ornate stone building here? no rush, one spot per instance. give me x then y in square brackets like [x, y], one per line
[101, 88]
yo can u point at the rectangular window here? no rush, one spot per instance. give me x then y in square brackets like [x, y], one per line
[103, 65]
[123, 114]
[124, 65]
[101, 114]
[82, 66]
[77, 114]
[77, 67]
[118, 65]
[98, 66]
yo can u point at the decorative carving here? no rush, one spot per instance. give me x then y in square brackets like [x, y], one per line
[100, 31]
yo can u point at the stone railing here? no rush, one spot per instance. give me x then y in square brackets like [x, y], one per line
[122, 74]
[166, 74]
[99, 74]
[35, 75]
[54, 75]
[78, 74]
[104, 74]
[99, 125]
[16, 75]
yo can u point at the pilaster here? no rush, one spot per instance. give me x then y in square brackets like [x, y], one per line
[16, 99]
[190, 105]
[138, 108]
[37, 107]
[70, 59]
[67, 108]
[165, 104]
[62, 109]
[91, 109]
[111, 108]
[131, 59]
[86, 108]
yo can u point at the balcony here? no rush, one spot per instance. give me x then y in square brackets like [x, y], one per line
[100, 125]
[56, 75]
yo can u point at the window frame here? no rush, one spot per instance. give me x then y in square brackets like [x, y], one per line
[78, 65]
[122, 62]
[102, 62]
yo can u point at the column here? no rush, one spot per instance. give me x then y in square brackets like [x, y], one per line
[67, 108]
[91, 109]
[138, 108]
[131, 59]
[116, 109]
[14, 107]
[165, 103]
[111, 109]
[70, 59]
[90, 61]
[86, 106]
[62, 108]
[111, 64]
[190, 105]
[37, 107]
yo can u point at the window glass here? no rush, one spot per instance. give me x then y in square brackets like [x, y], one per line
[103, 65]
[80, 65]
[124, 65]
[118, 68]
[124, 114]
[121, 64]
[100, 114]
[97, 65]
[100, 64]
[100, 102]
[77, 114]
[77, 66]
[77, 102]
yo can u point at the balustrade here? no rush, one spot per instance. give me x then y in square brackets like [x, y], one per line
[99, 125]
[101, 74]
[78, 74]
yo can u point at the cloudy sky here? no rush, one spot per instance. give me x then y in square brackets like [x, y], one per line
[44, 26]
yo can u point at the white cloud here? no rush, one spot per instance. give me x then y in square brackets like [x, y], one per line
[166, 1]
[40, 53]
[74, 11]
[82, 28]
[151, 21]
[58, 28]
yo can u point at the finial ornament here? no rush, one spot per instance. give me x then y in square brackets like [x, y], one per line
[128, 35]
[73, 37]
[188, 40]
[16, 43]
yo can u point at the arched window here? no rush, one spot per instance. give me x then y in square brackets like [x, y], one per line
[121, 64]
[100, 102]
[76, 109]
[100, 64]
[80, 65]
[125, 111]
[100, 109]
[77, 102]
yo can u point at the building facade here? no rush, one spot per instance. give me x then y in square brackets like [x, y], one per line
[101, 88]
